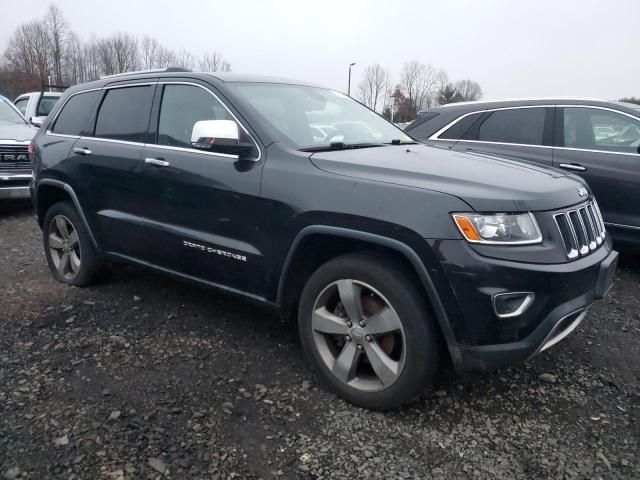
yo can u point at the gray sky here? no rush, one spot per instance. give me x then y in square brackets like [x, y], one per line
[512, 48]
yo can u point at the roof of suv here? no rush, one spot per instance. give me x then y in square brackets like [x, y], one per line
[519, 102]
[173, 73]
[433, 119]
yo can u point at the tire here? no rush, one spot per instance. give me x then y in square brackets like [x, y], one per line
[72, 258]
[361, 363]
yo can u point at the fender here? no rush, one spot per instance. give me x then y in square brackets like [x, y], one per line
[74, 198]
[402, 248]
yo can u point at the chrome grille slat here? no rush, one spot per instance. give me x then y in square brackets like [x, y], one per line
[589, 228]
[596, 224]
[582, 229]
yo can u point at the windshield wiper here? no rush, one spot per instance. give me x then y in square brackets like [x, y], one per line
[397, 141]
[341, 146]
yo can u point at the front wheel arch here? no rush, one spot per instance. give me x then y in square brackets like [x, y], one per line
[367, 240]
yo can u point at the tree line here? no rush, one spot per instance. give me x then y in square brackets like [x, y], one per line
[47, 50]
[420, 86]
[630, 100]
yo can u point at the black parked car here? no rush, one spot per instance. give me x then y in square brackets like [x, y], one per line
[394, 256]
[600, 141]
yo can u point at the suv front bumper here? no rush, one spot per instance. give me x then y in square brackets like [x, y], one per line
[14, 185]
[563, 294]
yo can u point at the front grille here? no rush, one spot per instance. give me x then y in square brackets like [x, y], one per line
[14, 157]
[582, 229]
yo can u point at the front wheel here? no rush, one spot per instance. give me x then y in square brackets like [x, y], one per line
[366, 330]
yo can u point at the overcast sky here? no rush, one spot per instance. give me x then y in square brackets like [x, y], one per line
[512, 48]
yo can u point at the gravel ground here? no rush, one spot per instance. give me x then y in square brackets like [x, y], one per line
[146, 377]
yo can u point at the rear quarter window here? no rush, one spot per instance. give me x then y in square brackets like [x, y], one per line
[458, 129]
[518, 125]
[423, 126]
[75, 116]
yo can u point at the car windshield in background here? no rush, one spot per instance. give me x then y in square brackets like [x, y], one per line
[9, 114]
[312, 117]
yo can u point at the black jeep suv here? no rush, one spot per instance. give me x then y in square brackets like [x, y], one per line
[395, 256]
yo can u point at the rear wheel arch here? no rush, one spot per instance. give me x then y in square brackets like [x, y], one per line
[48, 195]
[316, 244]
[50, 191]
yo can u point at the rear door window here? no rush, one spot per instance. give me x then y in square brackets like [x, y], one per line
[598, 129]
[124, 114]
[519, 125]
[75, 116]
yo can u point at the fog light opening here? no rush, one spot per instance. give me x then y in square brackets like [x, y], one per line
[512, 304]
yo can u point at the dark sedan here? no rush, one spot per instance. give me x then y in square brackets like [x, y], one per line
[598, 140]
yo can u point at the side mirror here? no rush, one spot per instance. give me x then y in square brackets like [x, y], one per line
[36, 121]
[220, 136]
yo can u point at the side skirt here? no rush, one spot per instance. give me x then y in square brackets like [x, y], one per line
[252, 298]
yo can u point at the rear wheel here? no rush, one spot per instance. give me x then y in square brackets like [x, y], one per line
[70, 253]
[367, 331]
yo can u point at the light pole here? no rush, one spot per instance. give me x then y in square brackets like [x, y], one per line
[349, 84]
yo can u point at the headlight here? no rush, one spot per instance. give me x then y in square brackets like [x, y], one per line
[499, 228]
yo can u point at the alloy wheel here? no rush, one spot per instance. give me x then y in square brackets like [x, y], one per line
[64, 247]
[358, 335]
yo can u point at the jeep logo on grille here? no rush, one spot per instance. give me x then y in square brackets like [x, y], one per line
[582, 192]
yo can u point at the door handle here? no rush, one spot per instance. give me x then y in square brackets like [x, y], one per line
[158, 162]
[573, 166]
[82, 151]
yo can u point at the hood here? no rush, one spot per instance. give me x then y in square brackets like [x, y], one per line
[487, 183]
[17, 132]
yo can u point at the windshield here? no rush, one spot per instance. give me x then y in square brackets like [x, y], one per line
[9, 114]
[312, 117]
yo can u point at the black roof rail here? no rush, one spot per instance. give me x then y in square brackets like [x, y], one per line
[50, 86]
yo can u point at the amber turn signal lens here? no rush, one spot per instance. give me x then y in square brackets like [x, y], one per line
[466, 227]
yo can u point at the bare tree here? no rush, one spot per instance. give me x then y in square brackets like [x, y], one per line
[426, 87]
[184, 59]
[442, 80]
[28, 49]
[468, 90]
[214, 62]
[150, 50]
[165, 58]
[57, 30]
[74, 60]
[125, 48]
[409, 79]
[92, 66]
[419, 83]
[372, 87]
[118, 53]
